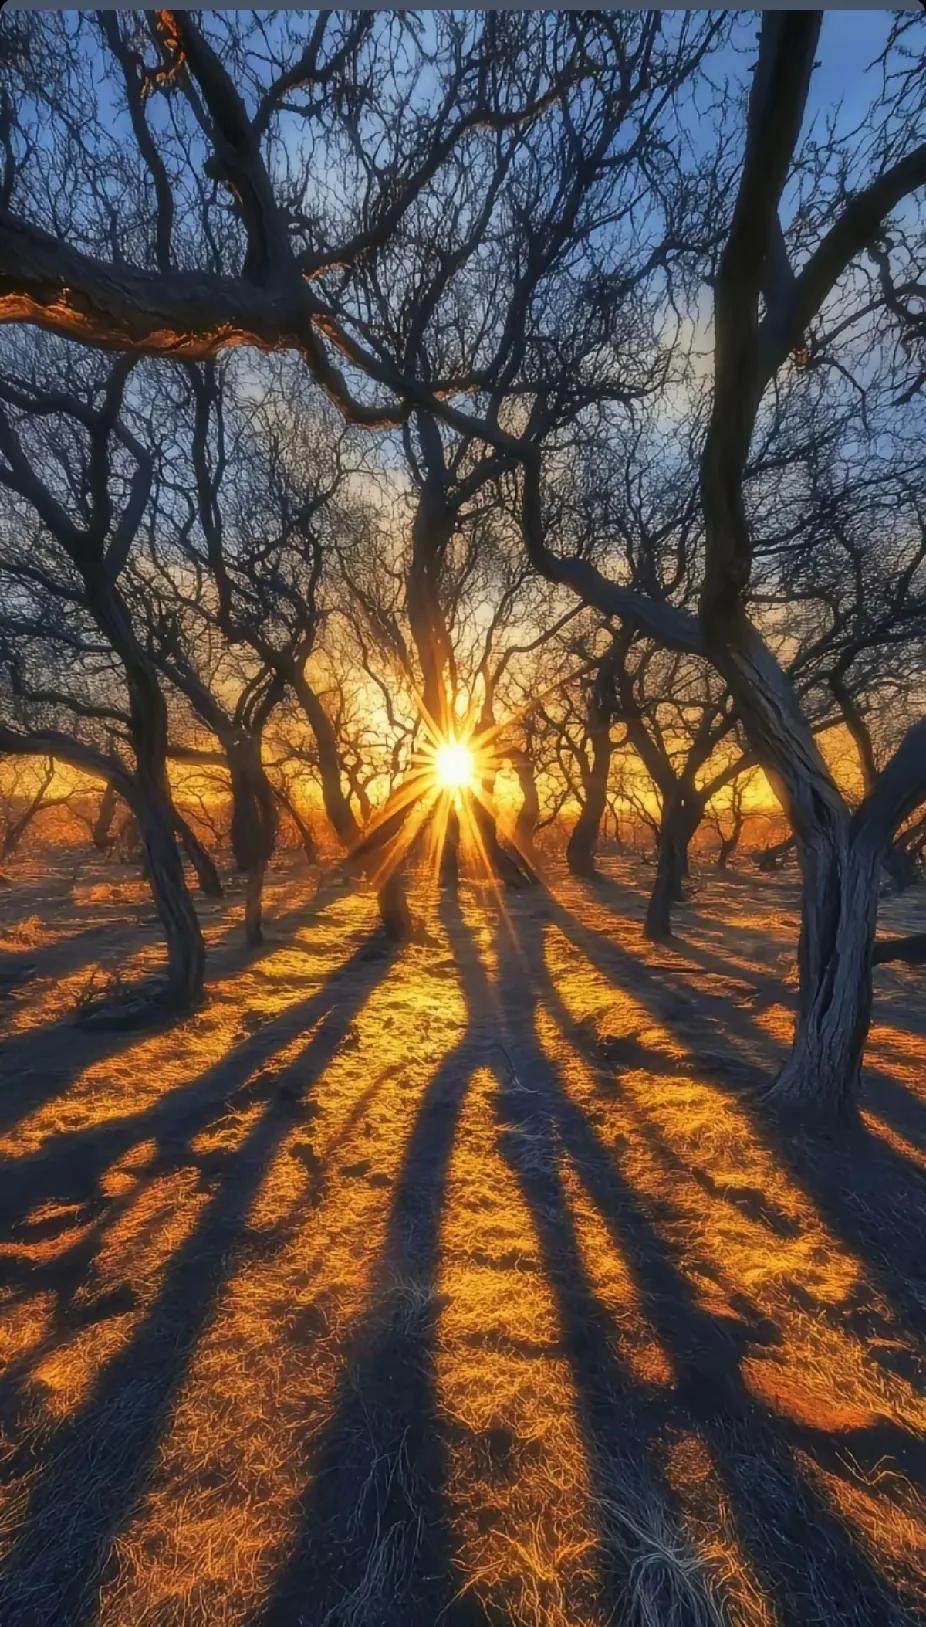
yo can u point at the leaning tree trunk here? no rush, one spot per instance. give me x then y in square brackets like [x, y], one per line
[840, 856]
[206, 873]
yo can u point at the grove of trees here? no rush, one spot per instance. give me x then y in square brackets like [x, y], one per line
[555, 379]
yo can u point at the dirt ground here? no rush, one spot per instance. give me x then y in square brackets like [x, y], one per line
[467, 1284]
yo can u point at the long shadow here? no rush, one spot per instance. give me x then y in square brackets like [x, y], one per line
[782, 1523]
[631, 1499]
[373, 1523]
[98, 1461]
[41, 1063]
[67, 1166]
[869, 1195]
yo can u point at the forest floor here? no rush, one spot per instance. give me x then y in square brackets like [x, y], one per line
[463, 1285]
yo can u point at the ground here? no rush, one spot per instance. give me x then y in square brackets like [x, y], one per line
[464, 1284]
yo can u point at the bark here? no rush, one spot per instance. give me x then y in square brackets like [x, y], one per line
[254, 905]
[338, 810]
[450, 851]
[582, 844]
[839, 904]
[164, 871]
[432, 530]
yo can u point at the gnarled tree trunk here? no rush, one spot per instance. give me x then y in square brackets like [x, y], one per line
[838, 915]
[583, 840]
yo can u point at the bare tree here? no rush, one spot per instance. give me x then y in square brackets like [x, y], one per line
[25, 795]
[65, 601]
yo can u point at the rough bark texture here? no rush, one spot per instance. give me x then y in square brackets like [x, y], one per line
[838, 913]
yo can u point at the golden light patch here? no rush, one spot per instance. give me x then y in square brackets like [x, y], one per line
[454, 765]
[517, 1475]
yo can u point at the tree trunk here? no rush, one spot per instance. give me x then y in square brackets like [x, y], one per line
[164, 872]
[206, 873]
[838, 915]
[901, 866]
[583, 842]
[728, 846]
[449, 859]
[680, 818]
[337, 808]
[528, 815]
[101, 829]
[254, 824]
[303, 828]
[770, 857]
[153, 807]
[254, 905]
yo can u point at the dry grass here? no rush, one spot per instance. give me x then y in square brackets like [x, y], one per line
[463, 1286]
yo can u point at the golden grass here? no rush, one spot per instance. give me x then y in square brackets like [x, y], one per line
[214, 1293]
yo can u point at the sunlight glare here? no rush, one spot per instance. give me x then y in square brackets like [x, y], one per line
[453, 765]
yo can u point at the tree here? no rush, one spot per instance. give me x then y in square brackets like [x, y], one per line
[26, 794]
[64, 604]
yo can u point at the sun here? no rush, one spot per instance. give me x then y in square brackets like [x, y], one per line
[453, 765]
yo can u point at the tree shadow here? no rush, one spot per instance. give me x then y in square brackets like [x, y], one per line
[781, 1521]
[97, 1461]
[373, 1541]
[867, 1193]
[41, 1063]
